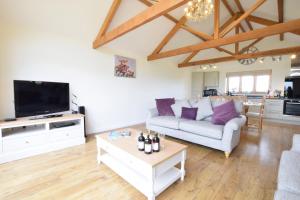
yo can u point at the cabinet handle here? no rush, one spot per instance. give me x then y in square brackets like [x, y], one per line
[27, 142]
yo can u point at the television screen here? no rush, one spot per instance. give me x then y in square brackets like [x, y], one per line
[38, 98]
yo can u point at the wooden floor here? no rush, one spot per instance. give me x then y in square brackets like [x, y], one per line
[250, 172]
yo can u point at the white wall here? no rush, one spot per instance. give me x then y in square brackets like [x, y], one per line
[110, 102]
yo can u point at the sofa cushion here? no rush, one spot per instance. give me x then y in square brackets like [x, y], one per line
[284, 195]
[164, 106]
[289, 172]
[203, 128]
[224, 113]
[177, 107]
[238, 104]
[165, 121]
[204, 108]
[189, 113]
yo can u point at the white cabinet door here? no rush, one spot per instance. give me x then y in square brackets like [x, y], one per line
[197, 84]
[273, 109]
[211, 79]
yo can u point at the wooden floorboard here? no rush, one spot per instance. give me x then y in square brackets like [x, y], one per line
[249, 173]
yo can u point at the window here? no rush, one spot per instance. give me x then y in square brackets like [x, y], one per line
[249, 82]
[234, 84]
[262, 83]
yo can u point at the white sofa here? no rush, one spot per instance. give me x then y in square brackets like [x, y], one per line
[224, 138]
[288, 187]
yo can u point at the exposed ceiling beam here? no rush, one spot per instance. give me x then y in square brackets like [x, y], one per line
[250, 45]
[280, 16]
[240, 7]
[216, 19]
[229, 21]
[190, 57]
[201, 35]
[273, 52]
[151, 13]
[244, 16]
[171, 33]
[268, 22]
[255, 34]
[237, 43]
[111, 13]
[228, 7]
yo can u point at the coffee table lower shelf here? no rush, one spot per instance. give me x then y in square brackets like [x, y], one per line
[139, 181]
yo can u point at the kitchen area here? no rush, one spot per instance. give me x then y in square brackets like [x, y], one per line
[282, 106]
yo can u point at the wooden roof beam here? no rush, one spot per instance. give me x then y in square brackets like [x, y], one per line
[111, 13]
[168, 37]
[244, 16]
[229, 21]
[239, 5]
[268, 22]
[273, 52]
[216, 19]
[151, 13]
[228, 7]
[280, 16]
[255, 34]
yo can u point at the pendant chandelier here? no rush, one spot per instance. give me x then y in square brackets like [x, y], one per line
[199, 9]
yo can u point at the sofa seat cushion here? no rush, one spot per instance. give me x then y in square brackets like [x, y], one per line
[165, 121]
[203, 128]
[284, 195]
[289, 173]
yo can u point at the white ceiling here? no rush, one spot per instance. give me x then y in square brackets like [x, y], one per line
[82, 19]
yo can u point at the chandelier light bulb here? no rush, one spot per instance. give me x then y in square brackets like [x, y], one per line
[199, 9]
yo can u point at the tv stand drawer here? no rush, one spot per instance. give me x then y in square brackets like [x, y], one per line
[18, 144]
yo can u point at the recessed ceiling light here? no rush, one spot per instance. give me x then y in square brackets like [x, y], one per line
[262, 60]
[293, 56]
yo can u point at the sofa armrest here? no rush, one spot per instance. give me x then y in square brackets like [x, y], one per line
[296, 143]
[235, 123]
[231, 133]
[152, 113]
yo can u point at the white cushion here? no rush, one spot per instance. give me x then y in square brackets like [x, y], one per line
[193, 102]
[284, 195]
[164, 121]
[203, 128]
[177, 107]
[289, 172]
[204, 108]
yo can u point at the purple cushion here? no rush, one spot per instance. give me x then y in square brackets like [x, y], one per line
[164, 106]
[189, 113]
[223, 113]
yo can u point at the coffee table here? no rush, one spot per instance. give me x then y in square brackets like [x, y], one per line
[150, 174]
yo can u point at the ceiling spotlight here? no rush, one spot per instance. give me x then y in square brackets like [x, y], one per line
[293, 56]
[205, 68]
[279, 58]
[214, 66]
[261, 60]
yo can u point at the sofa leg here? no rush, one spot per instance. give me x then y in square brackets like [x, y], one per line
[227, 154]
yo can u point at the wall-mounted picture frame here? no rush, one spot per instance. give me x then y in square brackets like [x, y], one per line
[125, 67]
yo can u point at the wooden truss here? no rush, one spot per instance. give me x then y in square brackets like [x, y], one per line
[215, 40]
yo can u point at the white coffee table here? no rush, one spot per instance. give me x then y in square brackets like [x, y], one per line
[150, 174]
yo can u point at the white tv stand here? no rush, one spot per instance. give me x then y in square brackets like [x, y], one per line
[25, 137]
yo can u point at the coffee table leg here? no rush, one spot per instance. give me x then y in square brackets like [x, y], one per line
[151, 195]
[183, 157]
[99, 155]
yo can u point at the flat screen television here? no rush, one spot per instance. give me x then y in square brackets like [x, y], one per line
[39, 98]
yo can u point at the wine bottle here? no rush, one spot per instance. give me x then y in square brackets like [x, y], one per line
[148, 145]
[141, 142]
[156, 143]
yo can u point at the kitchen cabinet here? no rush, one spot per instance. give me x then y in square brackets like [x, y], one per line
[211, 79]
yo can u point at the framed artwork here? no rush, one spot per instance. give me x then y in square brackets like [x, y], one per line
[125, 67]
